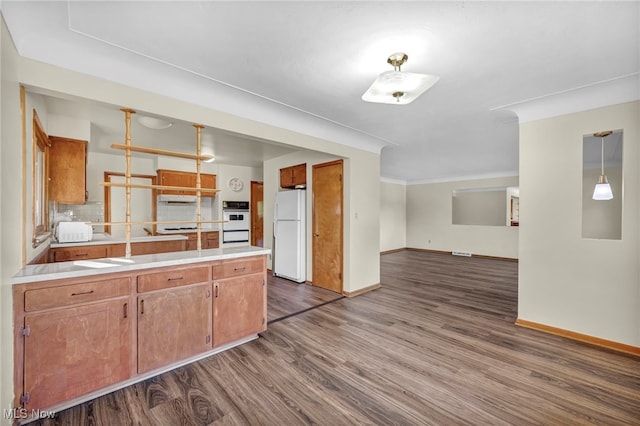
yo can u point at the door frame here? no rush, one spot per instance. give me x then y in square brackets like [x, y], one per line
[254, 211]
[107, 198]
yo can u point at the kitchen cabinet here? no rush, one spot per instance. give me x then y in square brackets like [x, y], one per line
[185, 179]
[67, 170]
[77, 338]
[209, 240]
[66, 254]
[84, 252]
[174, 316]
[239, 301]
[294, 176]
[148, 247]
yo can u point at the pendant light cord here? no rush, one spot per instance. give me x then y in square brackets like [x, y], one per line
[602, 158]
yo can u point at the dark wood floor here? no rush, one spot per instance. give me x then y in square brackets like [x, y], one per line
[436, 345]
[286, 298]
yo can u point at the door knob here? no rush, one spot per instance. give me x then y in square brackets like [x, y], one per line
[316, 235]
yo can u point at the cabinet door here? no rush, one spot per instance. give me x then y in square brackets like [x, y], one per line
[286, 177]
[173, 324]
[239, 308]
[176, 178]
[209, 182]
[67, 170]
[299, 174]
[210, 240]
[73, 351]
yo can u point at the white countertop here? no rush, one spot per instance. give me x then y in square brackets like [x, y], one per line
[80, 268]
[104, 238]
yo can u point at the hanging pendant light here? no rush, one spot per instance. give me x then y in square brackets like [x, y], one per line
[602, 190]
[398, 87]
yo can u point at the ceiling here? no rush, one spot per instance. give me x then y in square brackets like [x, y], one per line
[305, 65]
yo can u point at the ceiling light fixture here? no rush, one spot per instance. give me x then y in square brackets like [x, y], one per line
[602, 190]
[154, 123]
[397, 87]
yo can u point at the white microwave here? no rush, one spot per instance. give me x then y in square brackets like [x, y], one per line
[73, 232]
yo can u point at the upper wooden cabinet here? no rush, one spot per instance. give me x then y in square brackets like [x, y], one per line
[67, 170]
[185, 180]
[293, 176]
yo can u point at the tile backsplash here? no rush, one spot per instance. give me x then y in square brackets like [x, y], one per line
[92, 211]
[168, 211]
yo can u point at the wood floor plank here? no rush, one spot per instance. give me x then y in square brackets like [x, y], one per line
[435, 345]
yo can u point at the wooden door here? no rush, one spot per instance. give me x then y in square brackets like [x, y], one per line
[239, 307]
[173, 324]
[257, 214]
[73, 351]
[327, 245]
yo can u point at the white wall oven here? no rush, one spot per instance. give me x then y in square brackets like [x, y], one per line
[235, 228]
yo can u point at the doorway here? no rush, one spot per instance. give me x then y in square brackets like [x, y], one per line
[143, 205]
[257, 214]
[327, 225]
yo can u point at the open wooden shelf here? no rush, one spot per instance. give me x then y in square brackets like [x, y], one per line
[166, 153]
[141, 185]
[128, 148]
[155, 222]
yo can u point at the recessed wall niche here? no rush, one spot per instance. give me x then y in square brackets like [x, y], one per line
[602, 155]
[492, 206]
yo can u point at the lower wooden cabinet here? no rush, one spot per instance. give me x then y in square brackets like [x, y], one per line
[173, 324]
[210, 240]
[79, 253]
[72, 351]
[80, 335]
[66, 254]
[238, 308]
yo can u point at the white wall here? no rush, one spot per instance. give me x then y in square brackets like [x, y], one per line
[429, 221]
[393, 216]
[588, 286]
[11, 217]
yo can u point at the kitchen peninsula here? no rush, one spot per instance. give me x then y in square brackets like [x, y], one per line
[88, 327]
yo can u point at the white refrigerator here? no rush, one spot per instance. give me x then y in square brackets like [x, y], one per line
[289, 234]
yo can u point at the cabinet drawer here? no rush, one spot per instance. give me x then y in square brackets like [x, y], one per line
[236, 267]
[79, 253]
[65, 295]
[172, 278]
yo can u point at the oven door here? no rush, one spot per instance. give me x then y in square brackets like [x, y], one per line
[235, 236]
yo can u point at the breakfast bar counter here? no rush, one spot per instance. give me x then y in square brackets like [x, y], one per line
[88, 327]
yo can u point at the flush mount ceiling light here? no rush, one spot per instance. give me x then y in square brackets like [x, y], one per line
[397, 87]
[154, 123]
[602, 190]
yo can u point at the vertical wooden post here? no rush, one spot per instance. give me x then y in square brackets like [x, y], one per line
[199, 128]
[127, 179]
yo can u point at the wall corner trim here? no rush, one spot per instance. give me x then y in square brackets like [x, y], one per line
[362, 290]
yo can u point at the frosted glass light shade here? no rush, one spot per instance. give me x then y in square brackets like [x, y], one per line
[602, 190]
[389, 82]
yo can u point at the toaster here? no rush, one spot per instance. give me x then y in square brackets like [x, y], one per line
[73, 232]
